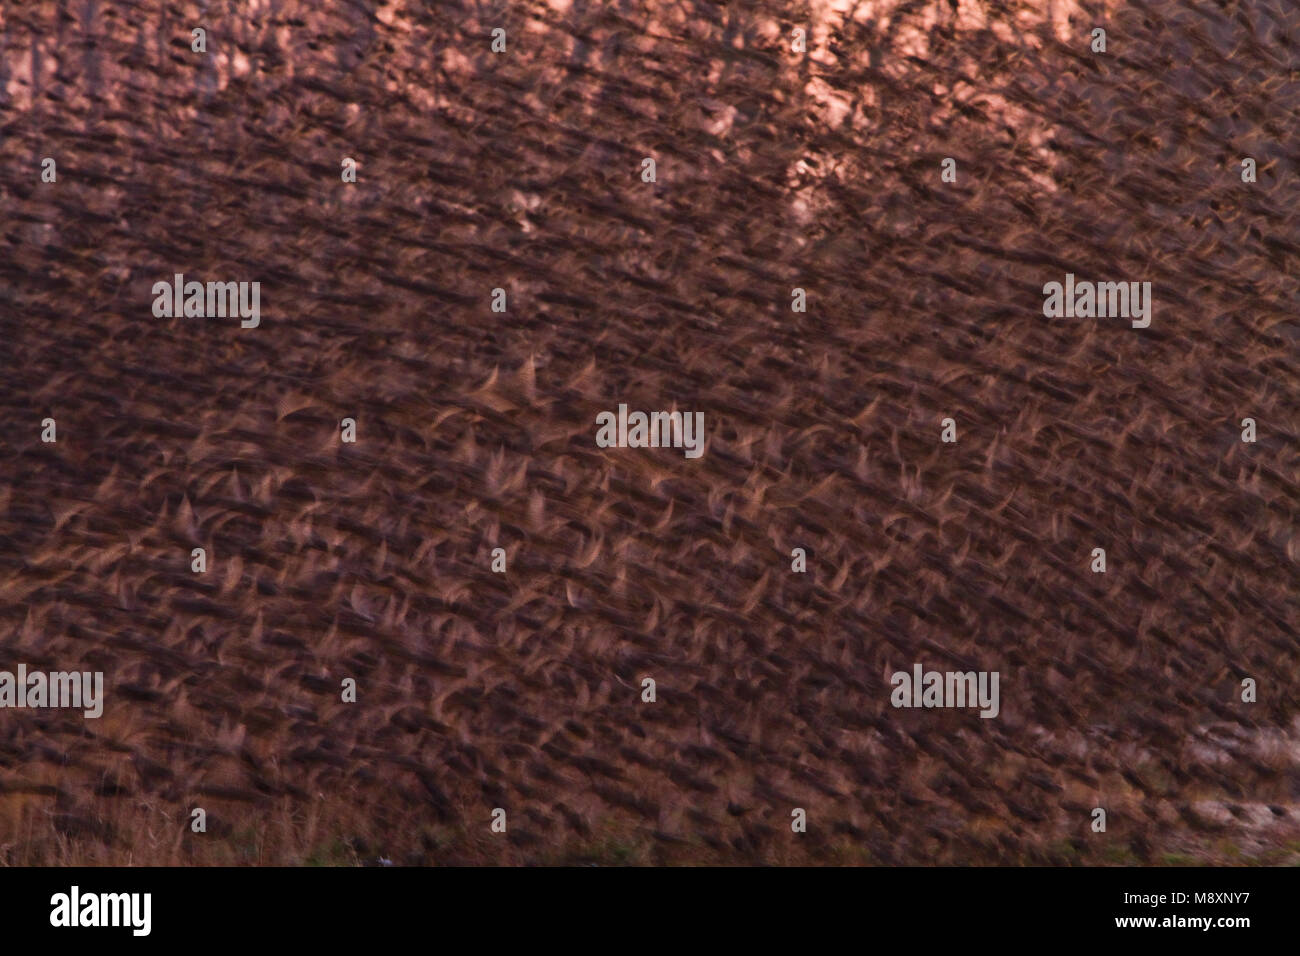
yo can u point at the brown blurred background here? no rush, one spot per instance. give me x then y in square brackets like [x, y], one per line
[775, 170]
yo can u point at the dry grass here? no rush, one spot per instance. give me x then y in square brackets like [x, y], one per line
[479, 690]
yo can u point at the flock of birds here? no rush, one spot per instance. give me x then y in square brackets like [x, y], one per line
[523, 690]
